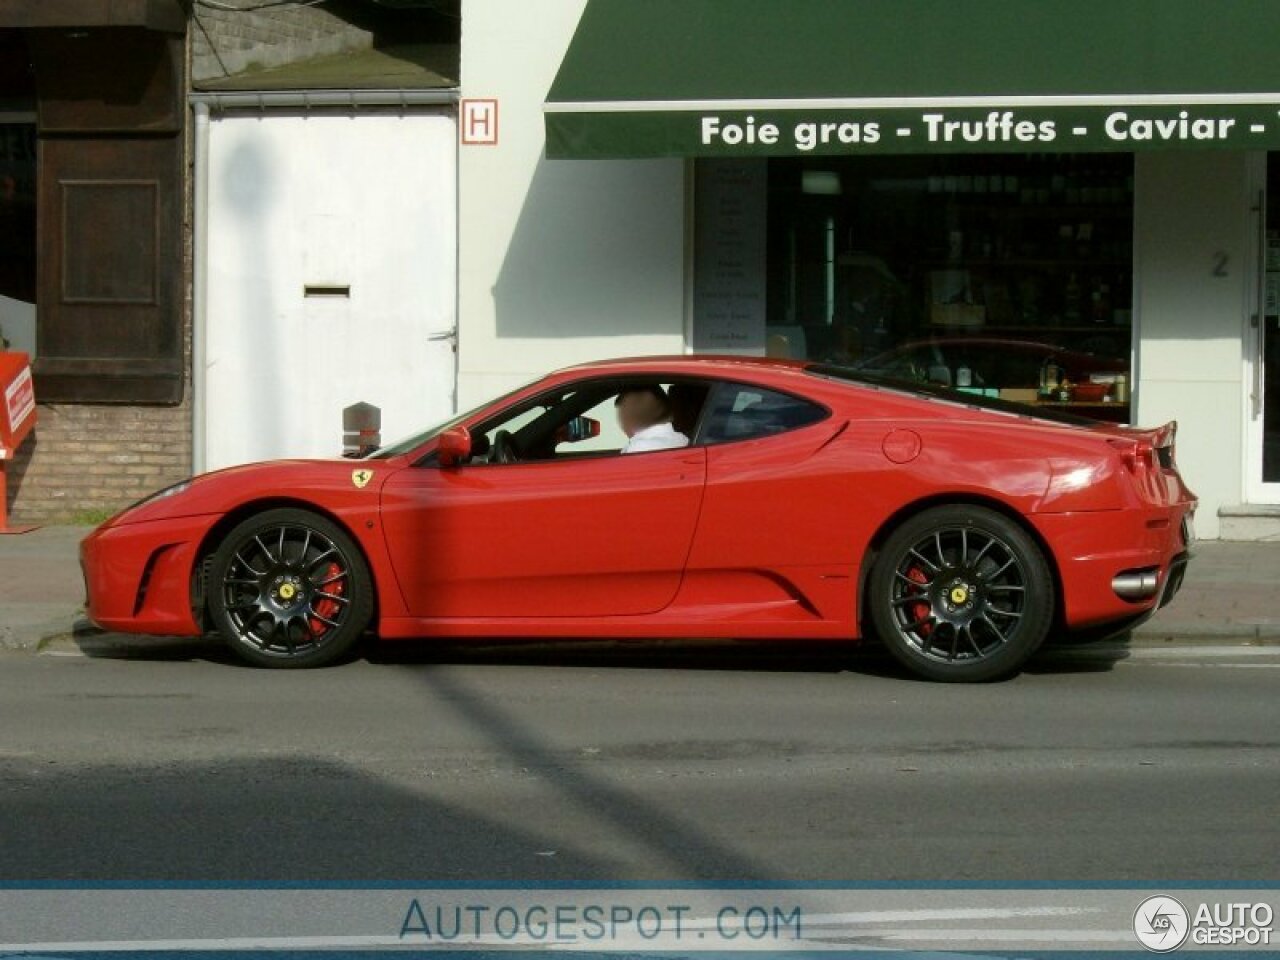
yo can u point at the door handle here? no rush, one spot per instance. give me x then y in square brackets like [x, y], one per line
[699, 461]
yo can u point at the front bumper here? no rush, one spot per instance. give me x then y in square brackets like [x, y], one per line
[138, 576]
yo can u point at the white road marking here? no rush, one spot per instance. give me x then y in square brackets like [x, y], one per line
[955, 913]
[1202, 651]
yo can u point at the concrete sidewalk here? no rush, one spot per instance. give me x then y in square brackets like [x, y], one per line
[41, 590]
[1232, 591]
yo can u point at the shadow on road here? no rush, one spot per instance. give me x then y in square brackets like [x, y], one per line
[119, 646]
[279, 818]
[688, 850]
[784, 656]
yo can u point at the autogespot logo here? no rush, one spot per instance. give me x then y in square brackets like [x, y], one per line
[1161, 924]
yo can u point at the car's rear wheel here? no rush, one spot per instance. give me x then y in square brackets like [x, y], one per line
[289, 588]
[961, 593]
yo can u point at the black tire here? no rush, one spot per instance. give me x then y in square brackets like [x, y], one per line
[961, 594]
[289, 589]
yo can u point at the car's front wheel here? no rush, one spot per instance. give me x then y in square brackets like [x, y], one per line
[961, 593]
[289, 588]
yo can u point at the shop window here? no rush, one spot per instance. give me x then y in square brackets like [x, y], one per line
[1000, 275]
[1268, 373]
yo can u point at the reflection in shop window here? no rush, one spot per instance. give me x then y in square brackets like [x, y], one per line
[1003, 275]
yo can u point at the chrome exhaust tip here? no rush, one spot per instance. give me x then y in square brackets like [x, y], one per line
[1136, 584]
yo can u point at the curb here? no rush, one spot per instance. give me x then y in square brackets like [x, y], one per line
[1262, 632]
[1240, 635]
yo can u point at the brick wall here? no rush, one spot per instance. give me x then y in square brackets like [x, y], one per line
[90, 459]
[225, 42]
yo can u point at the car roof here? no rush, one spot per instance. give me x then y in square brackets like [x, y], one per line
[702, 364]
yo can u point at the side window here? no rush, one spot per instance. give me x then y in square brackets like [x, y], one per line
[743, 412]
[512, 424]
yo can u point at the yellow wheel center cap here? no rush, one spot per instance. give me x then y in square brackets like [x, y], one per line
[959, 595]
[287, 591]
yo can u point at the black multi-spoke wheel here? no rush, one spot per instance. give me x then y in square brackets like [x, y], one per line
[961, 593]
[288, 588]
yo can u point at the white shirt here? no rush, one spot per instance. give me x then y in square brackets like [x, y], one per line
[661, 436]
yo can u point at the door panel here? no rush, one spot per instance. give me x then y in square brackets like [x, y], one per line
[110, 300]
[589, 537]
[774, 503]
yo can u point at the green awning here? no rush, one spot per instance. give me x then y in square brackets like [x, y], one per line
[651, 78]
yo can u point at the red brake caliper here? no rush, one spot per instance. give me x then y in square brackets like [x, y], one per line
[325, 606]
[919, 611]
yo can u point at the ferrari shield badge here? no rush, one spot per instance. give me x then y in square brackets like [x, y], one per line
[361, 477]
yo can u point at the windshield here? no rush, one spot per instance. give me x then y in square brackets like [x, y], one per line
[414, 441]
[949, 394]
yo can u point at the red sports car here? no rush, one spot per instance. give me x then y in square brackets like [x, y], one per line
[810, 502]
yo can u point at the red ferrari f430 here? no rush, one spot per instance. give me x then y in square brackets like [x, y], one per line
[802, 501]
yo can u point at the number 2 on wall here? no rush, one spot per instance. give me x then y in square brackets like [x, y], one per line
[1220, 261]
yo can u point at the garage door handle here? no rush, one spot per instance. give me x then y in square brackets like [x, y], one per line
[450, 335]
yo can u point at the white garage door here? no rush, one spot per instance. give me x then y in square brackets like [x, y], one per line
[331, 251]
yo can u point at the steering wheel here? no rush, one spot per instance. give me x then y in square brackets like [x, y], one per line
[502, 450]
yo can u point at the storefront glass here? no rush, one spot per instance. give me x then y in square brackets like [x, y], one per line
[1269, 374]
[1006, 276]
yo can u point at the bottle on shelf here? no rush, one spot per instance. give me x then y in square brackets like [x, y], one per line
[1071, 300]
[1101, 298]
[1050, 376]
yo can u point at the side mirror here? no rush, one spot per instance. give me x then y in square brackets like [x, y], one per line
[454, 446]
[579, 428]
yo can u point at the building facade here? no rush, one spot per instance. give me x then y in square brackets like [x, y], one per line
[1069, 209]
[222, 224]
[325, 240]
[1077, 209]
[93, 213]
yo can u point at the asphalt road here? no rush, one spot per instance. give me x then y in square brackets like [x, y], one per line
[170, 761]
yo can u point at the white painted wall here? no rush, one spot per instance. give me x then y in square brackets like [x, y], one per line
[295, 199]
[1190, 208]
[561, 261]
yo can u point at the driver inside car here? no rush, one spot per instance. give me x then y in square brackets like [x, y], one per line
[644, 414]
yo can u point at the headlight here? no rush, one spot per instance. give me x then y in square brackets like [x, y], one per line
[160, 495]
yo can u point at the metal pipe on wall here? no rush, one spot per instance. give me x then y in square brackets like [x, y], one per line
[307, 99]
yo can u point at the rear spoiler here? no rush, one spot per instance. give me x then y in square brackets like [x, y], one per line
[1166, 435]
[1151, 447]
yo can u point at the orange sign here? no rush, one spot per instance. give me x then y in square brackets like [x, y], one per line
[18, 409]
